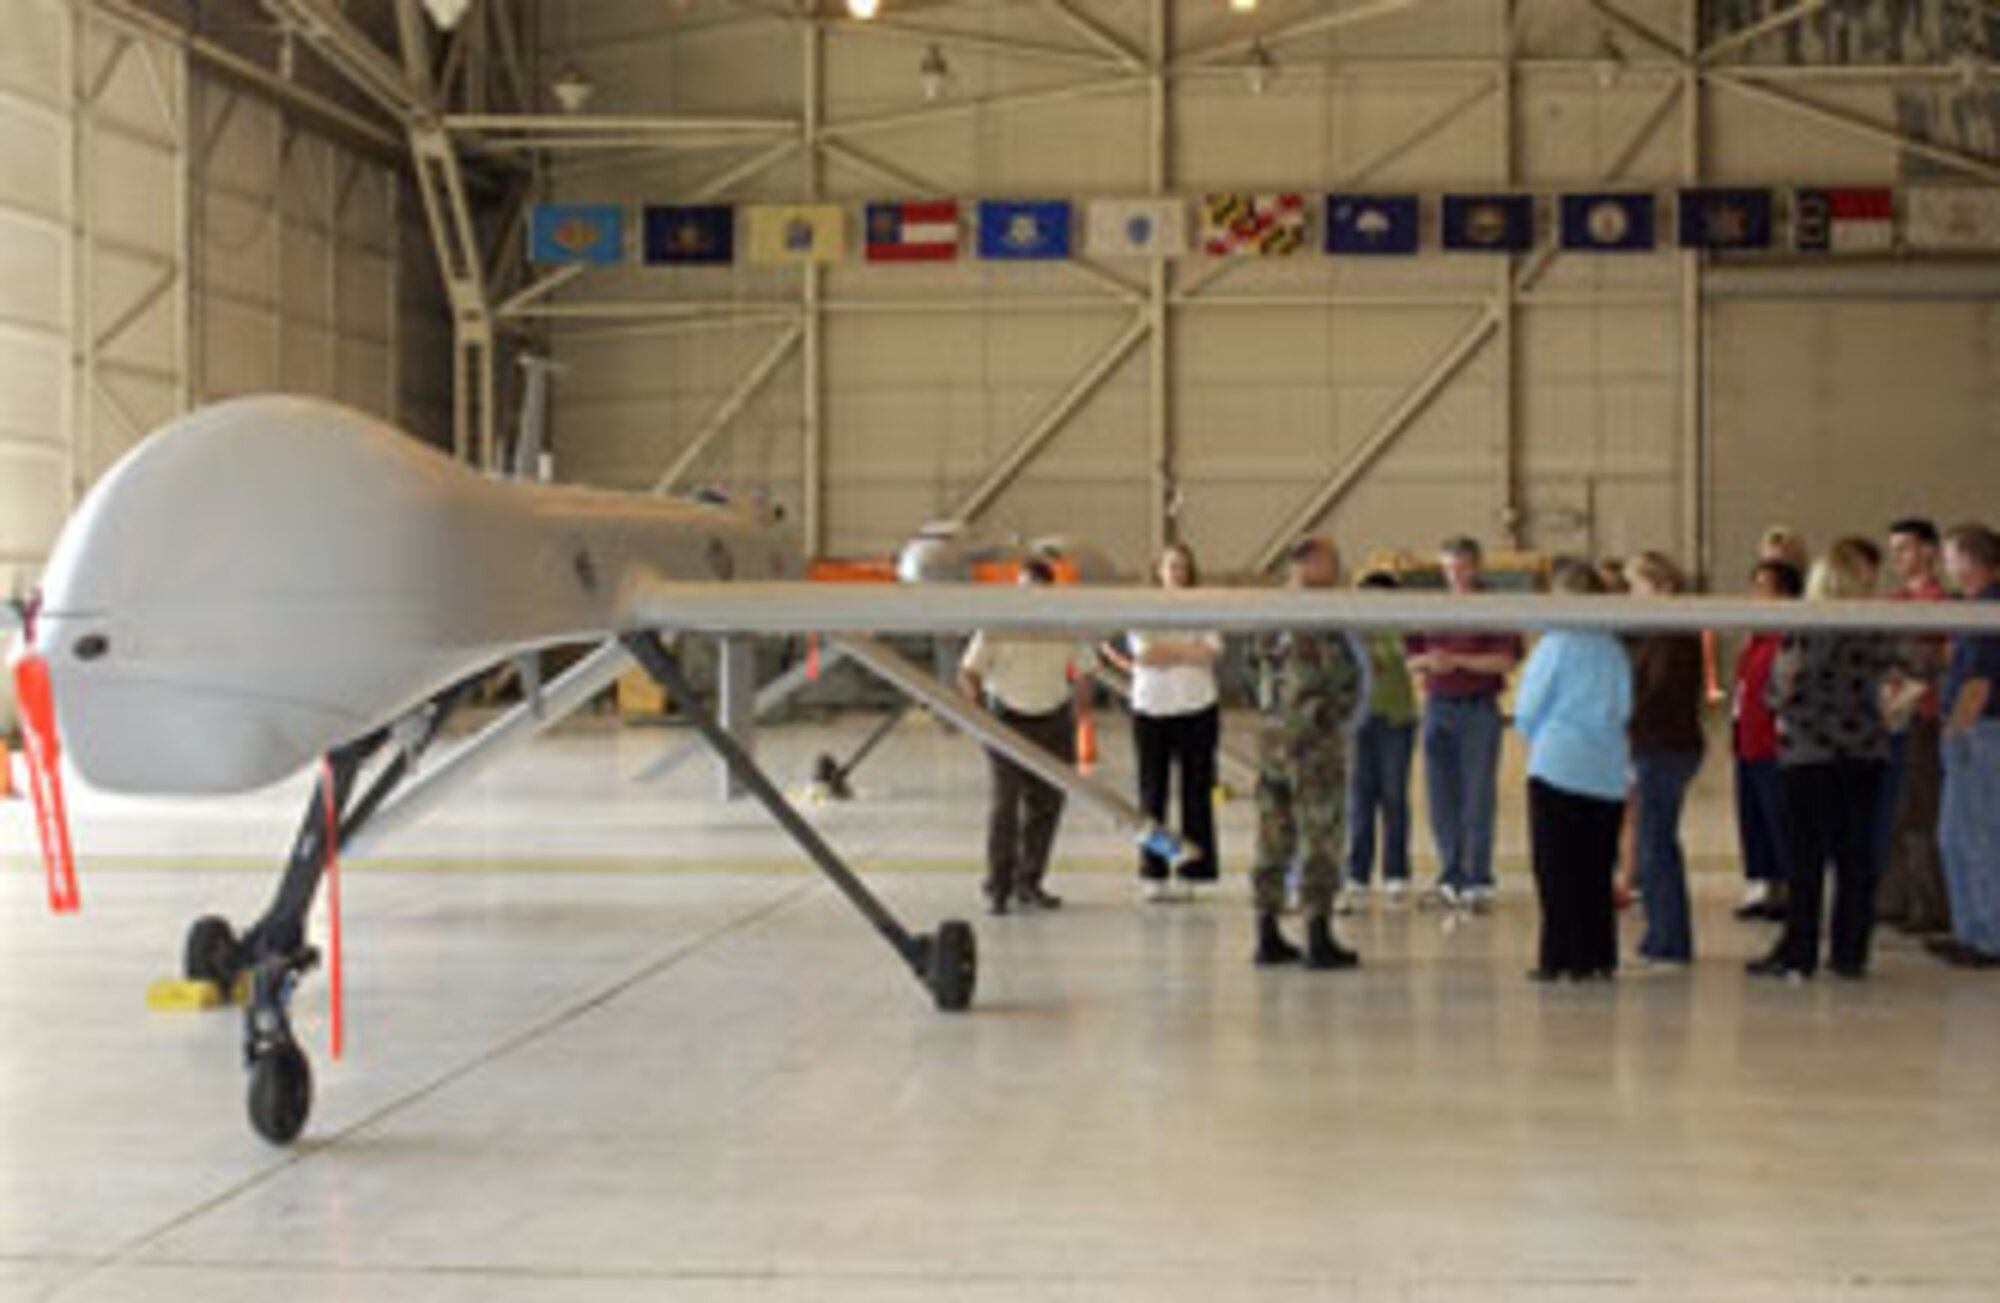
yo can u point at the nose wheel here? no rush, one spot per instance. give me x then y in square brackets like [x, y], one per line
[281, 1093]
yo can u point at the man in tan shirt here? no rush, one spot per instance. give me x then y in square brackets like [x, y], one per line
[1038, 685]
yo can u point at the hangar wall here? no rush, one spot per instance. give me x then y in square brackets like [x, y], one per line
[1570, 401]
[167, 240]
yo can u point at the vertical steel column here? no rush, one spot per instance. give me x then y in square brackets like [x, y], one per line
[1507, 309]
[1160, 442]
[1696, 545]
[812, 433]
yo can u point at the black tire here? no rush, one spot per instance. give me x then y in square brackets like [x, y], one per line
[281, 1094]
[954, 966]
[212, 953]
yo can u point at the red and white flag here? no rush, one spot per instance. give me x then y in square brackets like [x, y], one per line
[1855, 220]
[913, 232]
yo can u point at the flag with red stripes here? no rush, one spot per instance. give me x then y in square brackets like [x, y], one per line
[913, 232]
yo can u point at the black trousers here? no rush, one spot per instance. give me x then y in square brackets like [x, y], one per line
[1575, 844]
[1831, 809]
[1022, 819]
[1189, 741]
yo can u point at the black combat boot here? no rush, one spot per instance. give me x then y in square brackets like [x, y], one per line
[1323, 952]
[1272, 948]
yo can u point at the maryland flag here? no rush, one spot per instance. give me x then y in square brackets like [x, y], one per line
[1238, 225]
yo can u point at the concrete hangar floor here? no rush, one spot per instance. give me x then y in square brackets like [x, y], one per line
[616, 1041]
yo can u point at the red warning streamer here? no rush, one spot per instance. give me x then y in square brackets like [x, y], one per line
[336, 997]
[36, 698]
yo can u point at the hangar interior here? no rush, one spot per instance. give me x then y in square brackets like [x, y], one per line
[613, 1039]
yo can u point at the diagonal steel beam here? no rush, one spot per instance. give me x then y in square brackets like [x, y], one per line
[1403, 415]
[334, 36]
[1771, 23]
[1741, 82]
[1646, 33]
[732, 403]
[932, 114]
[1298, 29]
[888, 174]
[1051, 422]
[1097, 33]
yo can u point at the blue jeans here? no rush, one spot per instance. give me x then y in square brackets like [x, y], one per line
[1461, 778]
[1379, 782]
[1663, 779]
[1969, 834]
[1760, 821]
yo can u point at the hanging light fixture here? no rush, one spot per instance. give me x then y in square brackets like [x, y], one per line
[934, 74]
[446, 13]
[1259, 68]
[1244, 6]
[572, 88]
[863, 9]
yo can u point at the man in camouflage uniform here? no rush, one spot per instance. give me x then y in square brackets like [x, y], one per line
[1308, 687]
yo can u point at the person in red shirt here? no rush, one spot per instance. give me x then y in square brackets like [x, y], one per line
[1760, 804]
[1912, 893]
[1463, 675]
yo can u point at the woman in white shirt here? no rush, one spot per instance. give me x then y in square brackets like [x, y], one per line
[1176, 721]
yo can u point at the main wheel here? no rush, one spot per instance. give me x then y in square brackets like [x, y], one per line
[212, 953]
[954, 966]
[281, 1093]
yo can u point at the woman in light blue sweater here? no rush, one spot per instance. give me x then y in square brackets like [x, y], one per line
[1573, 703]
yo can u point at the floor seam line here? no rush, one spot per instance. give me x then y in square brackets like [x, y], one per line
[129, 1253]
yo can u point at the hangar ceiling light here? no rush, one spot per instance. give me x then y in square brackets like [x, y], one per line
[446, 13]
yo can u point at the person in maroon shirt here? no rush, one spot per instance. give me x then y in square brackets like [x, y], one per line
[1760, 793]
[1912, 894]
[1463, 675]
[1666, 730]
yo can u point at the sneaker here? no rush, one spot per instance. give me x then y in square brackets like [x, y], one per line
[1442, 896]
[1157, 891]
[1479, 900]
[1353, 900]
[1755, 897]
[1395, 893]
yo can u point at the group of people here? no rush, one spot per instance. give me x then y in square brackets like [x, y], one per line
[1869, 756]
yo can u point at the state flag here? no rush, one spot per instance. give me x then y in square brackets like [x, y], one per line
[1952, 219]
[702, 235]
[1489, 223]
[1725, 219]
[1607, 223]
[912, 232]
[592, 234]
[1023, 231]
[1853, 220]
[1238, 225]
[1371, 224]
[1138, 228]
[795, 234]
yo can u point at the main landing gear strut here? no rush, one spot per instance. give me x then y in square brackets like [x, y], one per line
[945, 961]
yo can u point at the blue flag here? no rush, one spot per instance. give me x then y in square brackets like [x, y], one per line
[1608, 223]
[1489, 223]
[704, 235]
[1725, 219]
[1367, 224]
[568, 233]
[1013, 231]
